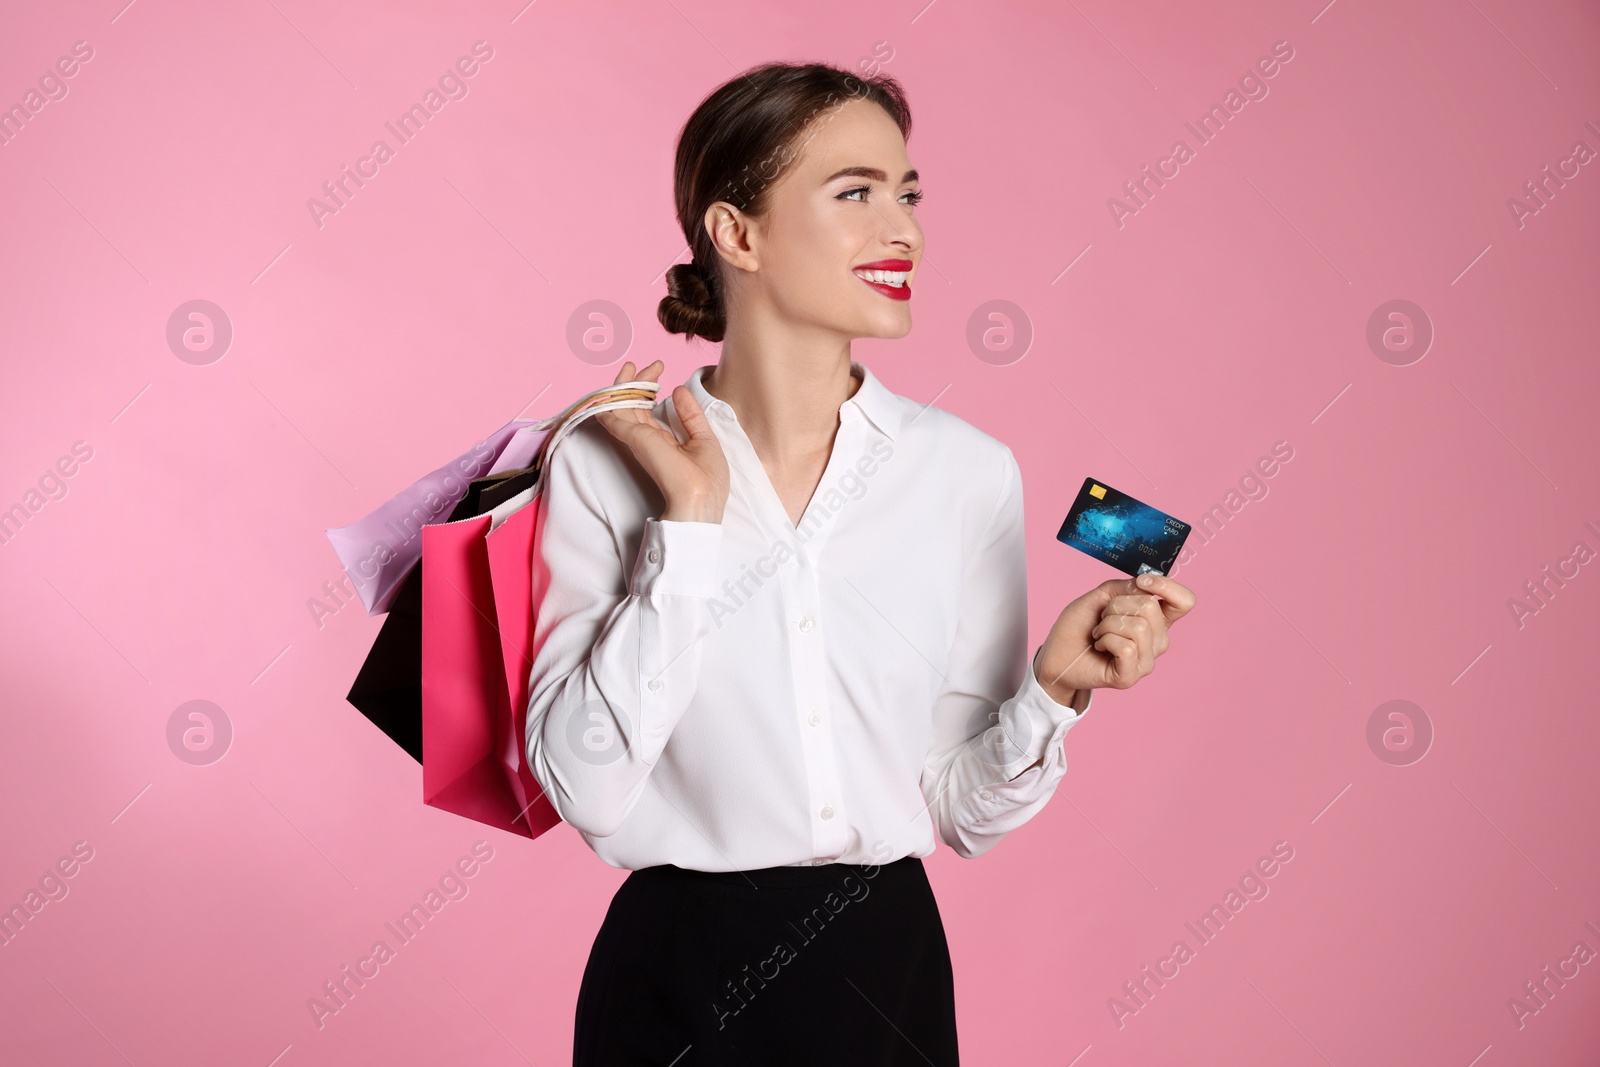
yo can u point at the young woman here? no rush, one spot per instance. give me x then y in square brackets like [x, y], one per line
[782, 640]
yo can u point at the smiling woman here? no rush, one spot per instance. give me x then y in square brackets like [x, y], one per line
[737, 151]
[748, 693]
[735, 785]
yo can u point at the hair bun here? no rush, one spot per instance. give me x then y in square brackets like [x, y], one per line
[687, 282]
[690, 306]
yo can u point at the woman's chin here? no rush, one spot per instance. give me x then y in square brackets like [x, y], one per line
[889, 327]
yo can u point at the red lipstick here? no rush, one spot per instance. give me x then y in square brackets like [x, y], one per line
[893, 292]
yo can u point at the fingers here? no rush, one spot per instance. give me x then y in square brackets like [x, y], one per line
[638, 435]
[690, 413]
[1108, 590]
[1125, 653]
[1148, 637]
[1134, 617]
[1131, 604]
[1145, 607]
[616, 420]
[1177, 599]
[627, 373]
[1134, 627]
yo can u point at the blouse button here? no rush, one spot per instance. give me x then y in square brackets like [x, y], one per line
[827, 811]
[655, 683]
[985, 794]
[815, 718]
[805, 624]
[654, 555]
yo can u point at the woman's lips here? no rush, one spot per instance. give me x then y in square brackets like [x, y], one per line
[900, 292]
[892, 266]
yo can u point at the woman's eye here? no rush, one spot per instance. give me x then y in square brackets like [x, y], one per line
[913, 198]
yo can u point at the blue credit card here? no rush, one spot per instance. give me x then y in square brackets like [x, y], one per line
[1129, 534]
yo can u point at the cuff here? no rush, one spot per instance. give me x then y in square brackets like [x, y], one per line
[1037, 720]
[1032, 683]
[677, 558]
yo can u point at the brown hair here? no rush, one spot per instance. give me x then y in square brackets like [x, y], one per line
[733, 148]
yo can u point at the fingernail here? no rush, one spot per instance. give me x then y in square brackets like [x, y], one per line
[1146, 579]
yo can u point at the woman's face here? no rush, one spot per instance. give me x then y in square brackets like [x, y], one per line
[843, 204]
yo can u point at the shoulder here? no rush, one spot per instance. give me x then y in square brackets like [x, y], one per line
[601, 467]
[980, 462]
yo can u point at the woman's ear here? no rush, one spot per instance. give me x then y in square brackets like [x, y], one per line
[731, 234]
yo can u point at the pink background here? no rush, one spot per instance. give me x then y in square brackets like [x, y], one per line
[1229, 313]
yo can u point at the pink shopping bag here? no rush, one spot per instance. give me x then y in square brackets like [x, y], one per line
[478, 605]
[477, 639]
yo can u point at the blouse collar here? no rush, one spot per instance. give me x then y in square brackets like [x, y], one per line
[872, 398]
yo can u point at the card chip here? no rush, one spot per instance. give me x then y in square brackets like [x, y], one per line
[1097, 491]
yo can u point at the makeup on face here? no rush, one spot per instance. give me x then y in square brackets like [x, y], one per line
[891, 277]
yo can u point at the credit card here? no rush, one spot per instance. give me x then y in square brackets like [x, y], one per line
[1129, 534]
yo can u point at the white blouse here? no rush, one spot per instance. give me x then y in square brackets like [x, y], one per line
[745, 694]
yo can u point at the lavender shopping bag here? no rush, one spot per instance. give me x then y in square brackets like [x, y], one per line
[379, 550]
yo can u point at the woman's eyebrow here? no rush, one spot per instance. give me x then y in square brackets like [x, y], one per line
[868, 172]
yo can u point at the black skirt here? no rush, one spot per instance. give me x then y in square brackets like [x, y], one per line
[835, 964]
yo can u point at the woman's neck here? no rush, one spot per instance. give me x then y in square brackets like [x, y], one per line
[787, 400]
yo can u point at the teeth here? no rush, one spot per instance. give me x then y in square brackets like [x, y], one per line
[896, 278]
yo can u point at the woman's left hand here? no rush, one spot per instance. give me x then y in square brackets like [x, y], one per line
[1111, 635]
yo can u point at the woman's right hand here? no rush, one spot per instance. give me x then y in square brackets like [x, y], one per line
[693, 476]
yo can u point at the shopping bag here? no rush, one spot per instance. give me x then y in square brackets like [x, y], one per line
[468, 719]
[379, 550]
[478, 617]
[388, 687]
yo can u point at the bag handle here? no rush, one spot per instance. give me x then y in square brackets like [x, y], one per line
[642, 388]
[635, 394]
